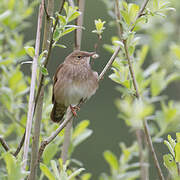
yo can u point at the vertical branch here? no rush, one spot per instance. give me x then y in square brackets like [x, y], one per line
[38, 117]
[32, 88]
[149, 140]
[145, 126]
[79, 22]
[78, 37]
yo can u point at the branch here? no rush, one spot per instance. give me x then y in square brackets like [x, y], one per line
[79, 22]
[69, 115]
[32, 88]
[131, 69]
[48, 54]
[140, 12]
[4, 144]
[108, 65]
[20, 145]
[38, 116]
[156, 162]
[145, 126]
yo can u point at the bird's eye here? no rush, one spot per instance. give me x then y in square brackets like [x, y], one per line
[79, 57]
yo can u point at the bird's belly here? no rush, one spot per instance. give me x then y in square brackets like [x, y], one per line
[77, 91]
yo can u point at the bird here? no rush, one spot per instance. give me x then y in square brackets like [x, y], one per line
[74, 81]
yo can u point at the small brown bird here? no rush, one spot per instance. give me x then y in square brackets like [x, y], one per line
[74, 81]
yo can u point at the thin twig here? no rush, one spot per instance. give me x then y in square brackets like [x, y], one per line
[66, 142]
[32, 88]
[156, 162]
[45, 10]
[178, 168]
[108, 65]
[48, 54]
[140, 13]
[131, 69]
[143, 167]
[69, 113]
[4, 144]
[118, 16]
[38, 115]
[20, 145]
[54, 134]
[79, 22]
[136, 87]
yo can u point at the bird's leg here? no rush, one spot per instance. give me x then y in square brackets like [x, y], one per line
[74, 109]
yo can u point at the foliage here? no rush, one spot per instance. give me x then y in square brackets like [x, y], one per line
[123, 168]
[172, 159]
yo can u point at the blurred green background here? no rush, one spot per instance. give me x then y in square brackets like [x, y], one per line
[108, 130]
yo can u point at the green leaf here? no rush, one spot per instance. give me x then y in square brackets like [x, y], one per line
[74, 16]
[99, 26]
[67, 31]
[62, 20]
[111, 160]
[47, 172]
[44, 71]
[177, 152]
[158, 82]
[49, 153]
[86, 176]
[13, 167]
[84, 135]
[75, 173]
[30, 51]
[171, 141]
[55, 169]
[5, 15]
[133, 10]
[171, 149]
[170, 164]
[80, 128]
[57, 34]
[66, 7]
[61, 45]
[178, 137]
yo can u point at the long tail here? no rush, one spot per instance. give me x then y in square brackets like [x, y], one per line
[58, 112]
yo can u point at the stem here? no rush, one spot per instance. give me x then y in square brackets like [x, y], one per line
[79, 22]
[20, 145]
[55, 133]
[4, 144]
[131, 69]
[69, 113]
[48, 54]
[37, 124]
[143, 167]
[140, 12]
[67, 139]
[32, 88]
[108, 65]
[178, 168]
[137, 91]
[156, 162]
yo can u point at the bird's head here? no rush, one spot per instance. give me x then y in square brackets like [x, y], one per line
[79, 57]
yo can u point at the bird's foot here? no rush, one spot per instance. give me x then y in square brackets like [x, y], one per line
[74, 109]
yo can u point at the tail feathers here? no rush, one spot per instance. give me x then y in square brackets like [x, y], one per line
[58, 112]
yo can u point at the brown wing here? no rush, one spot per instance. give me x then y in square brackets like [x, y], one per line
[55, 80]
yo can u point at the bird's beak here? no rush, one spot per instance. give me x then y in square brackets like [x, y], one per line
[94, 55]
